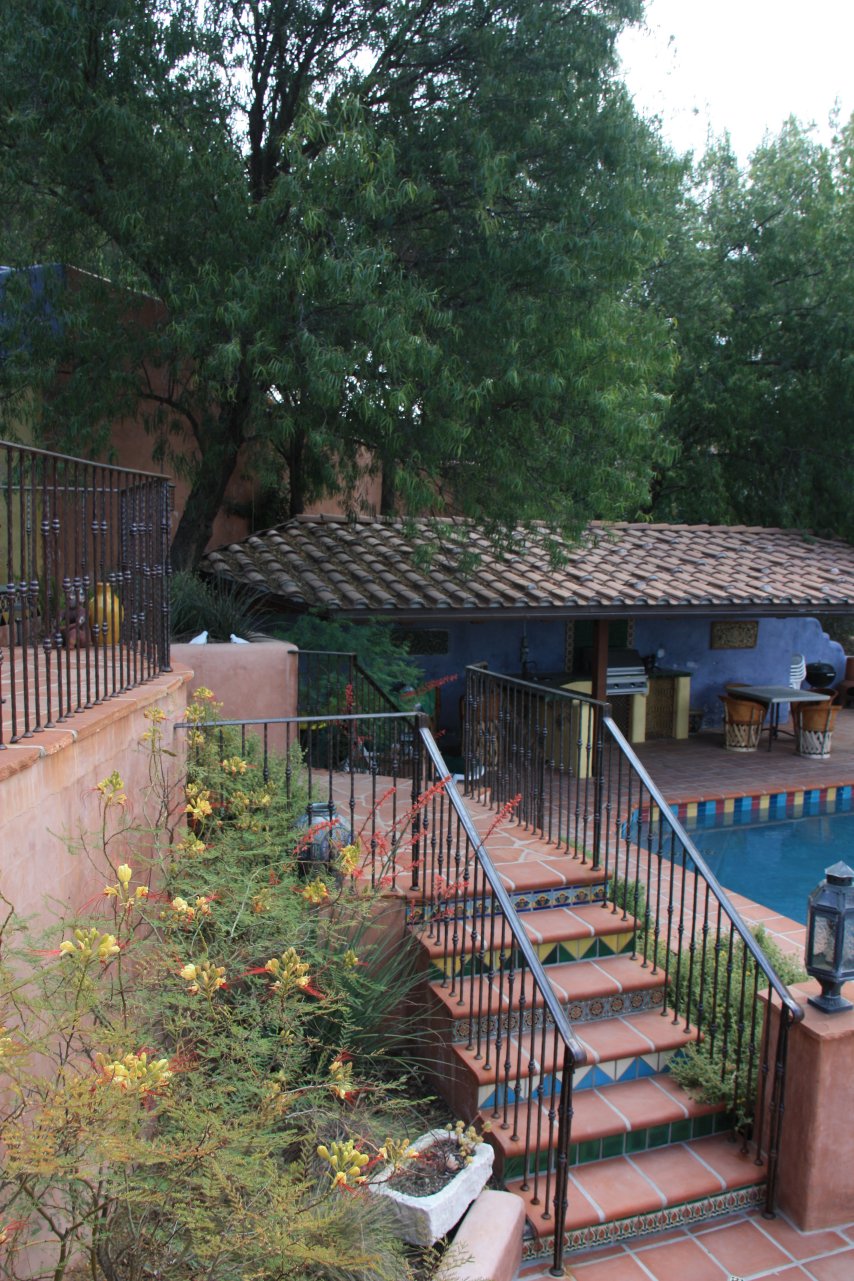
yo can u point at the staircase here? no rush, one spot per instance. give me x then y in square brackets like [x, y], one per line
[644, 1155]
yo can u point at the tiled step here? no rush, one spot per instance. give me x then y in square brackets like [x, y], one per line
[639, 1193]
[557, 933]
[612, 1120]
[594, 989]
[532, 885]
[618, 1049]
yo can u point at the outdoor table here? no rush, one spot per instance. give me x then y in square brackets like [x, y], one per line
[773, 697]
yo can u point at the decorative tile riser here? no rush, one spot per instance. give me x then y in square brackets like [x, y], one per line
[600, 1007]
[522, 900]
[608, 1072]
[627, 1143]
[584, 949]
[642, 1225]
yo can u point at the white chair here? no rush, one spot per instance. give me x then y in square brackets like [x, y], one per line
[797, 671]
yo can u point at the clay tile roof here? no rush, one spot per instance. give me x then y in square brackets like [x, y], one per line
[380, 566]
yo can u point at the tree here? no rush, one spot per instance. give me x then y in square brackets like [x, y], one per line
[401, 231]
[759, 282]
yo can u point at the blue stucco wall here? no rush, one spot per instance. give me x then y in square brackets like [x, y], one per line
[685, 643]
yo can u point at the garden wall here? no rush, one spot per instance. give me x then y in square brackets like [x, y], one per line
[48, 794]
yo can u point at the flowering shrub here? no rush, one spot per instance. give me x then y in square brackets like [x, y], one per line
[218, 1064]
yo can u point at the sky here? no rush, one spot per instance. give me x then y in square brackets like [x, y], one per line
[740, 65]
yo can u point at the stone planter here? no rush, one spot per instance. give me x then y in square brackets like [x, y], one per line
[425, 1219]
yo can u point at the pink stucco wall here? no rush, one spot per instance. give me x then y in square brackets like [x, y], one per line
[48, 796]
[253, 682]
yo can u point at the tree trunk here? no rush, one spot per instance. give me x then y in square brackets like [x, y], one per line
[388, 490]
[219, 447]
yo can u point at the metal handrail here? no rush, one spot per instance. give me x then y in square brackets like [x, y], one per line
[520, 938]
[795, 1009]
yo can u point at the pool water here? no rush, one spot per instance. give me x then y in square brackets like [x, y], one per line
[777, 862]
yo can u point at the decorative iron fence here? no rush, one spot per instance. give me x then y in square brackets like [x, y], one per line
[406, 815]
[84, 609]
[583, 788]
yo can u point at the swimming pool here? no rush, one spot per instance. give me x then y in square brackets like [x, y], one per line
[777, 862]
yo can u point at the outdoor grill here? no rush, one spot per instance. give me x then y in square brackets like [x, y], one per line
[626, 672]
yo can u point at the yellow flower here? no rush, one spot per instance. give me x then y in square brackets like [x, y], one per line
[199, 808]
[350, 959]
[346, 1162]
[349, 858]
[234, 765]
[112, 789]
[204, 977]
[191, 845]
[134, 1072]
[124, 872]
[342, 1078]
[89, 943]
[155, 714]
[205, 694]
[289, 971]
[141, 891]
[316, 891]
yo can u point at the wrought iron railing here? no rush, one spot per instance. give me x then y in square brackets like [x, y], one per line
[417, 838]
[583, 788]
[84, 608]
[334, 682]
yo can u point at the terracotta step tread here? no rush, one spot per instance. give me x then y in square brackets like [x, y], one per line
[621, 1187]
[609, 1109]
[572, 981]
[528, 871]
[606, 1041]
[547, 925]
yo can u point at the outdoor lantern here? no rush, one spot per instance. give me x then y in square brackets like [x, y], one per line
[332, 833]
[830, 937]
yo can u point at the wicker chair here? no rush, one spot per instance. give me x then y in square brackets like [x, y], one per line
[742, 723]
[814, 728]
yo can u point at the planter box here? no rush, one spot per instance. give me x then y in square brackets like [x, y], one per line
[424, 1219]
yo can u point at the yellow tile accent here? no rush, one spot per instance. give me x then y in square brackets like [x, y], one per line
[576, 947]
[729, 805]
[831, 794]
[691, 810]
[764, 802]
[618, 941]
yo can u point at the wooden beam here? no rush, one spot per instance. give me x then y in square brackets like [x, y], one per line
[600, 658]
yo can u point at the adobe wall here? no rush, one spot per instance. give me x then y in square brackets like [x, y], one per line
[48, 795]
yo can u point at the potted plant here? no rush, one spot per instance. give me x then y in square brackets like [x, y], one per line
[432, 1182]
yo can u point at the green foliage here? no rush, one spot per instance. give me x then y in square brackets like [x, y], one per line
[219, 607]
[709, 1069]
[374, 645]
[400, 237]
[758, 283]
[207, 1029]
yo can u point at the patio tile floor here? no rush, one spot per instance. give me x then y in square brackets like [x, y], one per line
[744, 1246]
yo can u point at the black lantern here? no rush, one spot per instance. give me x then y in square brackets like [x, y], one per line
[830, 937]
[327, 833]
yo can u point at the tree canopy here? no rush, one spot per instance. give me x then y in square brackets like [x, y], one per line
[759, 283]
[403, 231]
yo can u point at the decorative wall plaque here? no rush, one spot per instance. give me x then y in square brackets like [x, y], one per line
[736, 634]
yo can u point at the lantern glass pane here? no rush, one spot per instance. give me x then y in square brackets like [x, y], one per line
[824, 942]
[848, 943]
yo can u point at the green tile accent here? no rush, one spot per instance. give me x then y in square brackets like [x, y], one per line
[723, 1121]
[613, 1145]
[703, 1125]
[573, 1154]
[514, 1167]
[589, 1151]
[680, 1131]
[658, 1136]
[636, 1141]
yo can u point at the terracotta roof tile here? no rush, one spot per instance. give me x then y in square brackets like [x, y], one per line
[379, 566]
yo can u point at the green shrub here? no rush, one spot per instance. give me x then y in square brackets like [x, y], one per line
[179, 1055]
[218, 606]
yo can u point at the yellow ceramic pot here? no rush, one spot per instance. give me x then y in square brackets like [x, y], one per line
[105, 616]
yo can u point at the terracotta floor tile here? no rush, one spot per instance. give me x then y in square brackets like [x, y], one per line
[800, 1245]
[625, 1269]
[833, 1267]
[743, 1249]
[593, 1116]
[617, 1187]
[680, 1261]
[736, 1168]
